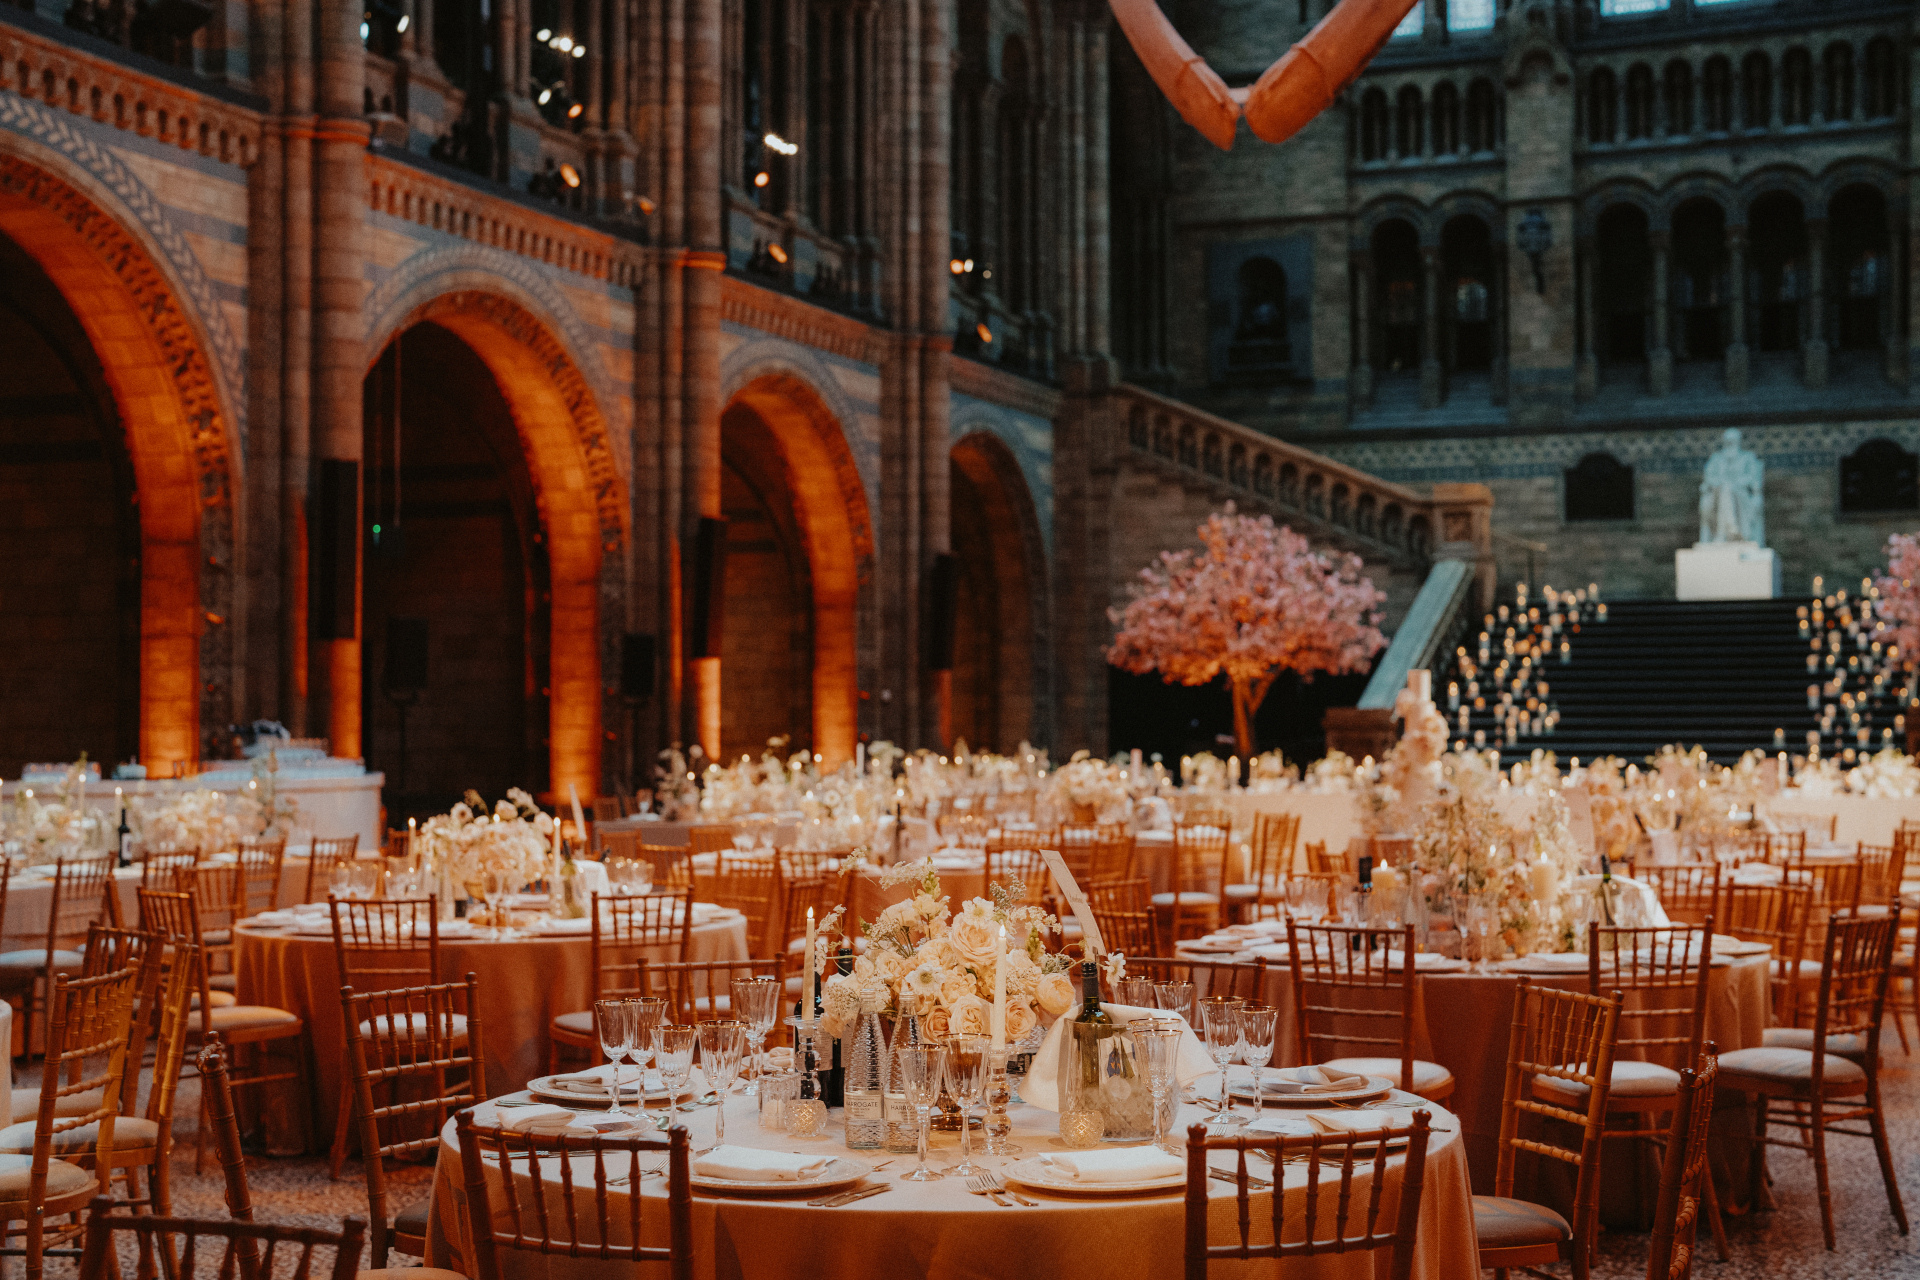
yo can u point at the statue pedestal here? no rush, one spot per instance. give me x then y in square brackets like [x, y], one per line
[1726, 571]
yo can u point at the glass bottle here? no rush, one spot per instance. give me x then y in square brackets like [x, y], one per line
[902, 1125]
[833, 1078]
[126, 839]
[567, 904]
[864, 1086]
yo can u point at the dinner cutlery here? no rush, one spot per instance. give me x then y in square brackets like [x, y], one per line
[982, 1187]
[998, 1183]
[848, 1197]
[1221, 1175]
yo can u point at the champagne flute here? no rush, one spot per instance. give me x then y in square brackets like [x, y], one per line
[614, 1019]
[921, 1066]
[721, 1044]
[1157, 1044]
[1257, 1023]
[1220, 1016]
[756, 1002]
[967, 1082]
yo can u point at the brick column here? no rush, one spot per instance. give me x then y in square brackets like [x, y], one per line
[1814, 348]
[296, 363]
[705, 258]
[1660, 356]
[936, 467]
[1736, 372]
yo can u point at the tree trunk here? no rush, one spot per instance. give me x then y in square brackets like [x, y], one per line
[1244, 705]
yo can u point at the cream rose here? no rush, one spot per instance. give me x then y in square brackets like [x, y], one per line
[971, 1016]
[1054, 994]
[1023, 975]
[973, 937]
[936, 1024]
[959, 985]
[1020, 1020]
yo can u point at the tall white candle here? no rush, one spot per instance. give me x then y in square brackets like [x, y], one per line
[999, 1022]
[806, 978]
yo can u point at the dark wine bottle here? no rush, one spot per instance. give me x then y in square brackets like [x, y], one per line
[126, 839]
[833, 1081]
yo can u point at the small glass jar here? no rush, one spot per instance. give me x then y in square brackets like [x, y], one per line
[1082, 1129]
[806, 1118]
[779, 1090]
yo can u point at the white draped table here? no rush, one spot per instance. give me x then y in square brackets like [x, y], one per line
[940, 1229]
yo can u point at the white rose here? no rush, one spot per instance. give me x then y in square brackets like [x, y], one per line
[959, 984]
[1020, 1020]
[971, 1016]
[1054, 994]
[973, 938]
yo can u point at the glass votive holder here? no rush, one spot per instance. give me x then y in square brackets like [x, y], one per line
[806, 1118]
[778, 1090]
[1081, 1130]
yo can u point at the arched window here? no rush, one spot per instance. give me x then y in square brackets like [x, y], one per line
[1678, 86]
[1373, 125]
[1756, 93]
[1836, 102]
[1796, 87]
[1407, 123]
[1482, 126]
[1397, 309]
[1697, 281]
[1716, 95]
[1777, 283]
[1260, 320]
[1602, 98]
[1446, 119]
[1466, 267]
[1879, 476]
[1639, 101]
[1858, 267]
[1622, 285]
[1883, 79]
[1599, 487]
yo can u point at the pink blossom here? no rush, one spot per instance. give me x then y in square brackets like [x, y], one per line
[1899, 606]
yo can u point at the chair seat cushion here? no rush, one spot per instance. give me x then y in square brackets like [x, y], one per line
[248, 1017]
[412, 1220]
[130, 1133]
[1426, 1075]
[1241, 892]
[415, 1024]
[1188, 898]
[1781, 1066]
[1630, 1080]
[16, 1176]
[579, 1024]
[224, 981]
[1851, 1045]
[1500, 1223]
[215, 1000]
[26, 1103]
[35, 959]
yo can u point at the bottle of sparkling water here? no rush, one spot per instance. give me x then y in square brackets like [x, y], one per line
[863, 1058]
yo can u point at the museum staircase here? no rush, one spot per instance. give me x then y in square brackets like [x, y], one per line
[1723, 675]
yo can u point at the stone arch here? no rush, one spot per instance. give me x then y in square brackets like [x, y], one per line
[1007, 521]
[1698, 186]
[1794, 181]
[831, 516]
[1476, 204]
[1883, 178]
[1388, 209]
[1620, 191]
[579, 494]
[165, 376]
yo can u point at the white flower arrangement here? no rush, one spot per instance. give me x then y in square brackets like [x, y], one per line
[467, 842]
[1086, 783]
[1891, 773]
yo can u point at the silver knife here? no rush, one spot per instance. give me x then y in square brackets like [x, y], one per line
[850, 1196]
[1223, 1176]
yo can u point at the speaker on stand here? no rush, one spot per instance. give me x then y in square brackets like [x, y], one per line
[404, 678]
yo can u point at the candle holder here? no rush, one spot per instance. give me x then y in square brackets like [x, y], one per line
[998, 1125]
[1081, 1130]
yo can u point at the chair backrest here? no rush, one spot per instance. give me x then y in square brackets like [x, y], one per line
[609, 845]
[323, 857]
[1345, 993]
[80, 889]
[383, 943]
[608, 809]
[409, 1034]
[1882, 867]
[809, 862]
[693, 989]
[1687, 891]
[161, 867]
[1199, 858]
[710, 839]
[1124, 911]
[1391, 851]
[264, 1249]
[626, 930]
[110, 948]
[1014, 857]
[1209, 977]
[820, 892]
[1776, 915]
[966, 828]
[1835, 885]
[1662, 975]
[217, 1090]
[672, 864]
[219, 892]
[752, 887]
[1275, 836]
[1676, 1210]
[174, 915]
[1566, 1035]
[1320, 862]
[261, 862]
[88, 1025]
[510, 1209]
[1298, 1228]
[1826, 824]
[1856, 962]
[1092, 850]
[1203, 812]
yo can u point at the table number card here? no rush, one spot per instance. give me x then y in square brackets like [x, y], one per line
[1076, 901]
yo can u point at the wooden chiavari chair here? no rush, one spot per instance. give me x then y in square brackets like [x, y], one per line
[254, 1249]
[753, 887]
[397, 1037]
[1015, 857]
[628, 933]
[1882, 868]
[699, 990]
[1247, 981]
[1336, 1159]
[1321, 862]
[1568, 1036]
[88, 1023]
[1820, 1085]
[219, 892]
[1685, 1182]
[80, 899]
[1687, 891]
[1124, 911]
[672, 865]
[1826, 826]
[225, 1123]
[509, 1209]
[608, 809]
[1835, 885]
[797, 863]
[327, 854]
[1270, 863]
[1347, 996]
[1095, 851]
[1776, 915]
[1192, 905]
[261, 864]
[711, 839]
[161, 867]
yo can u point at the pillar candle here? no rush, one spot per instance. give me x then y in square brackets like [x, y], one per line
[860, 758]
[999, 1023]
[1421, 682]
[1546, 880]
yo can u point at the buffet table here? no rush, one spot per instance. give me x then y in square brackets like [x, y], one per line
[524, 983]
[939, 1228]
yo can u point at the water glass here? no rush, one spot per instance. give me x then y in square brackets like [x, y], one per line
[777, 1090]
[756, 1002]
[1137, 992]
[1310, 899]
[340, 881]
[365, 878]
[1257, 1022]
[675, 1044]
[613, 1019]
[648, 1013]
[921, 1068]
[496, 887]
[967, 1081]
[1157, 1044]
[1220, 1020]
[721, 1044]
[1175, 997]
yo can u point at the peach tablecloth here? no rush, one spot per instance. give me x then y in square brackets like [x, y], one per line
[940, 1229]
[524, 982]
[30, 896]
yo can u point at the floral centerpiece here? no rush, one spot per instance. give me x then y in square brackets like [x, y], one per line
[461, 847]
[60, 826]
[1889, 773]
[1091, 790]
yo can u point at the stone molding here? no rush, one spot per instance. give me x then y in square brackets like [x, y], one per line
[752, 307]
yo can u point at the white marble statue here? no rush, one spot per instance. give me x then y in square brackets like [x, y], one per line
[1731, 505]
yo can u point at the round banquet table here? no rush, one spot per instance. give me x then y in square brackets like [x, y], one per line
[939, 1228]
[524, 983]
[1462, 1020]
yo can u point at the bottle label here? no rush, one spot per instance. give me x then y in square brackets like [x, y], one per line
[862, 1105]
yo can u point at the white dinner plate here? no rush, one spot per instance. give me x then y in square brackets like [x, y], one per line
[544, 1089]
[1241, 1086]
[839, 1174]
[1723, 945]
[1043, 1177]
[1297, 1125]
[1225, 945]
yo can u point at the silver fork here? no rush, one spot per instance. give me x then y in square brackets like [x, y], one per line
[997, 1183]
[982, 1185]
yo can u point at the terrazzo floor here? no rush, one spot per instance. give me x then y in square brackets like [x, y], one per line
[1778, 1245]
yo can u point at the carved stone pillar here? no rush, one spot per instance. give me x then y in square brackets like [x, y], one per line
[1737, 366]
[1362, 331]
[1587, 376]
[1660, 355]
[1814, 348]
[1432, 390]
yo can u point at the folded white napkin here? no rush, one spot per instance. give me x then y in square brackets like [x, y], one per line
[518, 1118]
[596, 1081]
[1555, 961]
[272, 918]
[1115, 1164]
[745, 1164]
[1298, 1080]
[582, 925]
[314, 925]
[1042, 1085]
[1369, 1121]
[1727, 944]
[1423, 961]
[311, 909]
[1272, 951]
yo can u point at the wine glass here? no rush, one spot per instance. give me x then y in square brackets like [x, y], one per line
[1135, 991]
[721, 1044]
[365, 876]
[756, 1002]
[674, 1044]
[1256, 1038]
[1175, 997]
[1311, 900]
[1157, 1044]
[340, 881]
[1220, 1016]
[648, 1013]
[614, 1020]
[921, 1066]
[495, 886]
[967, 1082]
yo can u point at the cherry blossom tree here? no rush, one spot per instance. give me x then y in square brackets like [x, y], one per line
[1254, 600]
[1899, 605]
